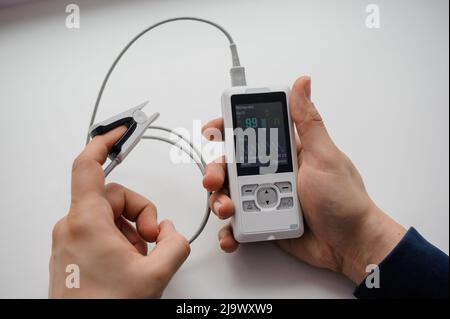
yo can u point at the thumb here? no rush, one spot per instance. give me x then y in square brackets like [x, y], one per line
[310, 127]
[171, 250]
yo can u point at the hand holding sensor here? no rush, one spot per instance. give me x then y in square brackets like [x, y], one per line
[136, 122]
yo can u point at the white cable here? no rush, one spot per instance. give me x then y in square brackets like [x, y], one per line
[110, 167]
[200, 165]
[197, 152]
[237, 74]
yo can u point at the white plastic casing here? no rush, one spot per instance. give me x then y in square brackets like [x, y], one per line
[267, 223]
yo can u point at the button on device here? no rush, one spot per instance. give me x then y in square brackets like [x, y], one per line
[284, 187]
[250, 206]
[267, 196]
[249, 189]
[286, 202]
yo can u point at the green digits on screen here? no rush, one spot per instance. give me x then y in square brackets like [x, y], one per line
[251, 122]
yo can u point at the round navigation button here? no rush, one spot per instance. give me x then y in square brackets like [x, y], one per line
[267, 196]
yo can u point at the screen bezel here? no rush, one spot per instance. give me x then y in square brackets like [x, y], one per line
[268, 97]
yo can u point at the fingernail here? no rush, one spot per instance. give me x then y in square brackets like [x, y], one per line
[216, 207]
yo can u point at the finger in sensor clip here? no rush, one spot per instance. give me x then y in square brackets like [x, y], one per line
[136, 122]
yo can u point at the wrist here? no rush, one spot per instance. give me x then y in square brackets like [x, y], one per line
[376, 237]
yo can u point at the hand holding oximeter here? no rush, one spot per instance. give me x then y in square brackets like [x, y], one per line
[262, 164]
[263, 174]
[262, 186]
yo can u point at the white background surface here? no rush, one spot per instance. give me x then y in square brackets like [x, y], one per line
[383, 94]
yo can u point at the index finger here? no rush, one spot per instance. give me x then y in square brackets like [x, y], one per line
[87, 173]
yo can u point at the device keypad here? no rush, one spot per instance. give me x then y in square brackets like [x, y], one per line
[267, 197]
[284, 187]
[250, 206]
[257, 197]
[286, 202]
[249, 189]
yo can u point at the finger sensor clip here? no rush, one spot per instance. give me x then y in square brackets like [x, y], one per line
[136, 122]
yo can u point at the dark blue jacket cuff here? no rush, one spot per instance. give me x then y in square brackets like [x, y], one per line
[414, 269]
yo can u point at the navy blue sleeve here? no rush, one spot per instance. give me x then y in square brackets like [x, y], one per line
[414, 269]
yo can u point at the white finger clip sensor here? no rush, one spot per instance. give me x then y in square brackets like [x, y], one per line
[136, 122]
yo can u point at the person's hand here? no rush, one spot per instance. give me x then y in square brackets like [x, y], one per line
[98, 237]
[345, 231]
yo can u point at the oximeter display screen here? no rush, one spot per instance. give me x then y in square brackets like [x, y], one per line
[261, 133]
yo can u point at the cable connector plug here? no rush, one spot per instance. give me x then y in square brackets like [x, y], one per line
[237, 74]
